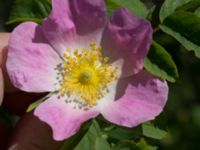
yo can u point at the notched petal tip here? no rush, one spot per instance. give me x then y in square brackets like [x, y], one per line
[128, 37]
[88, 15]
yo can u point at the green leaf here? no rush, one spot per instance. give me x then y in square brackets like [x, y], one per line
[195, 115]
[190, 6]
[184, 27]
[149, 130]
[101, 144]
[111, 6]
[29, 10]
[93, 139]
[143, 145]
[121, 147]
[17, 20]
[36, 103]
[121, 133]
[159, 63]
[169, 7]
[125, 145]
[72, 142]
[135, 6]
[197, 12]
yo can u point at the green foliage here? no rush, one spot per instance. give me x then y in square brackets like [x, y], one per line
[190, 6]
[195, 114]
[197, 12]
[73, 141]
[36, 103]
[149, 130]
[143, 145]
[160, 63]
[184, 27]
[93, 139]
[169, 7]
[135, 6]
[29, 10]
[125, 133]
[111, 6]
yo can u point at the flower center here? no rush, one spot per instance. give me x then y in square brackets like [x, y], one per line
[85, 75]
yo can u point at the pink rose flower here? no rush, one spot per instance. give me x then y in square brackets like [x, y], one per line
[91, 66]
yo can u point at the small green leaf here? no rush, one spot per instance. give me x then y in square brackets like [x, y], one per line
[24, 20]
[149, 130]
[195, 115]
[143, 145]
[121, 147]
[102, 144]
[169, 7]
[93, 139]
[72, 142]
[152, 147]
[184, 27]
[111, 6]
[125, 145]
[190, 6]
[135, 6]
[36, 103]
[159, 63]
[121, 133]
[29, 10]
[197, 12]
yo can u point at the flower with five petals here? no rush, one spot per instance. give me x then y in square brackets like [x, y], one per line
[90, 64]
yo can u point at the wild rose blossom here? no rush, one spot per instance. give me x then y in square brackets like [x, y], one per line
[91, 65]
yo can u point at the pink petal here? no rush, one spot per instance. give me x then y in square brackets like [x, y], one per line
[31, 61]
[64, 120]
[88, 15]
[129, 38]
[139, 98]
[73, 23]
[59, 28]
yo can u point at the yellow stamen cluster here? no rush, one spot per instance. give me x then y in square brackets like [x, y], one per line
[85, 75]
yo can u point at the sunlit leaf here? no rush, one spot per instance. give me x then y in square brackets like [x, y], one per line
[143, 145]
[149, 130]
[159, 63]
[72, 142]
[184, 27]
[197, 12]
[36, 103]
[93, 139]
[121, 133]
[169, 7]
[29, 10]
[135, 6]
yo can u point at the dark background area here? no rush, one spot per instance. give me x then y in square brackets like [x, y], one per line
[182, 113]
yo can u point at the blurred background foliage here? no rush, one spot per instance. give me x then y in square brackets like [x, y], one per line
[176, 32]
